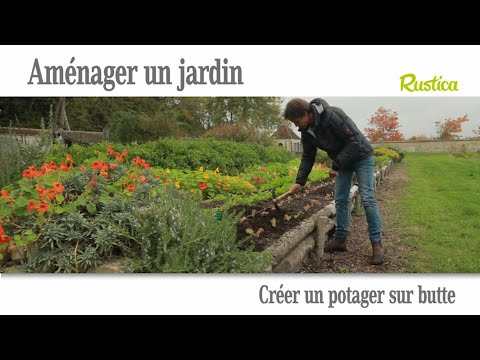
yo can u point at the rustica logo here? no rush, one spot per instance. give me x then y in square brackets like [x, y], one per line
[410, 83]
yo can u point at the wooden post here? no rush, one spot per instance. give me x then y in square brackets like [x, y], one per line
[324, 225]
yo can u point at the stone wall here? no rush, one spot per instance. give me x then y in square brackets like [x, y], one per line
[292, 145]
[445, 146]
[73, 137]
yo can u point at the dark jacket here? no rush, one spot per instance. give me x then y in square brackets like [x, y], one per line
[334, 132]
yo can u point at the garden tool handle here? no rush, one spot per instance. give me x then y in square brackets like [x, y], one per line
[283, 196]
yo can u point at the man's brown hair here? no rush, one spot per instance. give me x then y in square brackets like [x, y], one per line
[295, 109]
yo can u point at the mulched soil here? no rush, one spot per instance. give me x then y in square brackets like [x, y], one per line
[263, 224]
[357, 258]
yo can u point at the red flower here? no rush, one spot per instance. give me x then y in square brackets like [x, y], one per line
[98, 165]
[52, 194]
[6, 195]
[4, 240]
[261, 168]
[58, 187]
[203, 186]
[124, 153]
[64, 167]
[111, 151]
[27, 174]
[31, 205]
[42, 208]
[120, 158]
[131, 188]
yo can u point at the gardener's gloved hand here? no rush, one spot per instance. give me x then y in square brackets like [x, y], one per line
[332, 174]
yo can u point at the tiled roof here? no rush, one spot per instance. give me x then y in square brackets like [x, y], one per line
[284, 132]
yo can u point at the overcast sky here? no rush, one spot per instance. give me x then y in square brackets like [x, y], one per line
[416, 115]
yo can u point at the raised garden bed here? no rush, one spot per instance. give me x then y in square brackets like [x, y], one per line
[303, 222]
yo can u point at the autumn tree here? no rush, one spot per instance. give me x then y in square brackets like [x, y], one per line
[448, 128]
[384, 126]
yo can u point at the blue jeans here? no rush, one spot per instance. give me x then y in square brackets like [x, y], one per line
[364, 170]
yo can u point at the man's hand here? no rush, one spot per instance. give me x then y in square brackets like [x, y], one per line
[332, 174]
[295, 188]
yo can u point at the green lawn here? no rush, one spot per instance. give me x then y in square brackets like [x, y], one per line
[441, 213]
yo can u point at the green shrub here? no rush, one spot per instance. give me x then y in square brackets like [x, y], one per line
[322, 158]
[381, 160]
[383, 151]
[16, 155]
[230, 157]
[177, 235]
[165, 231]
[400, 152]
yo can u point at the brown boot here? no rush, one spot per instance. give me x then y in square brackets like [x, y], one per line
[378, 253]
[336, 245]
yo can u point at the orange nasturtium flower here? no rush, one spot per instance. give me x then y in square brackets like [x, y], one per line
[52, 194]
[30, 173]
[99, 165]
[131, 187]
[120, 158]
[31, 205]
[202, 186]
[111, 151]
[42, 208]
[141, 163]
[6, 195]
[125, 153]
[64, 167]
[3, 238]
[58, 187]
